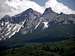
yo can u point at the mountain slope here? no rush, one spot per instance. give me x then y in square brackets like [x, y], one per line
[10, 25]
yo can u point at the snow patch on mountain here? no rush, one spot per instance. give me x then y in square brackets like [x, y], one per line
[45, 24]
[37, 24]
[9, 29]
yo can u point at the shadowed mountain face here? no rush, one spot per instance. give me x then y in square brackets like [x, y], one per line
[69, 3]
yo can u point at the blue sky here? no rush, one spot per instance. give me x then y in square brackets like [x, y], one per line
[69, 3]
[41, 2]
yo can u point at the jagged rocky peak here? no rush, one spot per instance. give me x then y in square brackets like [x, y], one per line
[6, 18]
[48, 10]
[49, 14]
[32, 19]
[30, 11]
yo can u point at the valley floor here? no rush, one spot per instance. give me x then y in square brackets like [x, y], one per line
[62, 48]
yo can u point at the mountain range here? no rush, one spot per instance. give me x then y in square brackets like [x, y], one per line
[31, 21]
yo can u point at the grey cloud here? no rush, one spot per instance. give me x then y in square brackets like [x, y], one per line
[4, 8]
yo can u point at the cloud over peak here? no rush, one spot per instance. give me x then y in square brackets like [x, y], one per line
[13, 7]
[60, 6]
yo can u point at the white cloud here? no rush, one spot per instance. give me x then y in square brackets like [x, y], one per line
[18, 6]
[13, 7]
[59, 7]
